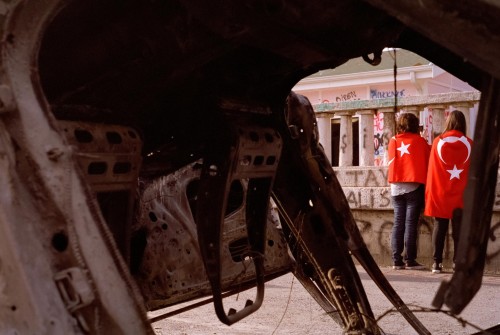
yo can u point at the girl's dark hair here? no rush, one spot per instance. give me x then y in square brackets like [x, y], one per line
[455, 121]
[407, 123]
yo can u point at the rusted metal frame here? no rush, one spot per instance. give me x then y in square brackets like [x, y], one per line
[323, 184]
[479, 197]
[232, 156]
[49, 169]
[314, 224]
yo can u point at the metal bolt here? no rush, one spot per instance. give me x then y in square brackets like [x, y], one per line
[54, 154]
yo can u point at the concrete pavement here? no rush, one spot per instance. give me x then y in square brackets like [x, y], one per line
[289, 309]
[418, 288]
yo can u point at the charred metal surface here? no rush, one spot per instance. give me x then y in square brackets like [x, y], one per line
[110, 158]
[167, 262]
[147, 59]
[168, 71]
[247, 147]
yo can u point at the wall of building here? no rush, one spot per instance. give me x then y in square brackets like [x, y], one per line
[353, 93]
[368, 194]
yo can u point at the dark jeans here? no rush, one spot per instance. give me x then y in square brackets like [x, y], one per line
[439, 235]
[407, 208]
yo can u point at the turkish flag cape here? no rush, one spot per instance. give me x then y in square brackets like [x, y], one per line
[447, 174]
[408, 155]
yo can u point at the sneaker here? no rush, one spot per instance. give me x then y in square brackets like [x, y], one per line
[398, 265]
[414, 265]
[437, 268]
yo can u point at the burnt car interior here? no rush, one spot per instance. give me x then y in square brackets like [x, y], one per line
[203, 165]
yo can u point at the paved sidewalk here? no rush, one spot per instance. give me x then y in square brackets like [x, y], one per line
[418, 288]
[289, 309]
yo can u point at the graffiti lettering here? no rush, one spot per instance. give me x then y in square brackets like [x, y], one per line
[385, 200]
[371, 180]
[344, 144]
[351, 199]
[364, 138]
[493, 253]
[378, 141]
[384, 173]
[378, 122]
[377, 233]
[362, 177]
[355, 173]
[372, 198]
[346, 97]
[376, 94]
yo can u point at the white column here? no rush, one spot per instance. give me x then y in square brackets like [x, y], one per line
[438, 120]
[366, 147]
[325, 133]
[345, 142]
[389, 128]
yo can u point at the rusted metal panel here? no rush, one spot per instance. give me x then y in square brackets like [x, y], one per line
[170, 267]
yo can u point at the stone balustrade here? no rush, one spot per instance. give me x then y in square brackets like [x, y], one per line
[362, 109]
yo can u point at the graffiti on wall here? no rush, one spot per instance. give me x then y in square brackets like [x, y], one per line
[343, 145]
[368, 198]
[377, 237]
[347, 97]
[363, 177]
[376, 94]
[367, 187]
[378, 138]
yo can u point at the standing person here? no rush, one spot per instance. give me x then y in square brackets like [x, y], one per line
[448, 169]
[408, 159]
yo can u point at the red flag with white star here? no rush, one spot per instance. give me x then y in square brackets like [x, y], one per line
[447, 177]
[408, 156]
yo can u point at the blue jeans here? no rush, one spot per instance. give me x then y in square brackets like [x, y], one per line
[407, 208]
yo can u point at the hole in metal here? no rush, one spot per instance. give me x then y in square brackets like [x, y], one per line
[122, 168]
[60, 241]
[113, 137]
[95, 168]
[83, 136]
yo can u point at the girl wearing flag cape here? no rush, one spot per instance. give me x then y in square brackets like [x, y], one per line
[446, 179]
[408, 155]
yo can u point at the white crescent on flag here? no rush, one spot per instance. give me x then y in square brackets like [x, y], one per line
[453, 139]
